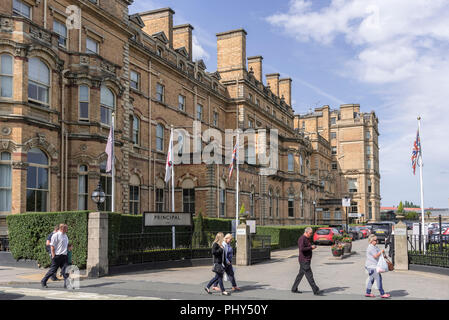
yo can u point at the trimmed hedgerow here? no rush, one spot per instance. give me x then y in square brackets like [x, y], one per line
[284, 236]
[28, 232]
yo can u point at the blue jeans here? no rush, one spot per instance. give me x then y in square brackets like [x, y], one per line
[374, 276]
[218, 277]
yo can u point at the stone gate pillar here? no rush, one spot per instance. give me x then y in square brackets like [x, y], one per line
[243, 245]
[400, 247]
[97, 245]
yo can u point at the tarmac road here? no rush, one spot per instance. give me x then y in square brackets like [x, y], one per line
[271, 280]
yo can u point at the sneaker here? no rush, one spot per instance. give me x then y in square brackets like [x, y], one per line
[385, 295]
[225, 293]
[207, 290]
[296, 291]
[369, 295]
[43, 285]
[318, 293]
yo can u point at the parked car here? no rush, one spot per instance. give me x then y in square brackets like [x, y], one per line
[365, 231]
[339, 227]
[435, 237]
[325, 235]
[382, 230]
[354, 233]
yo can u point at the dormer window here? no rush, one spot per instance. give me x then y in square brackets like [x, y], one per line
[181, 65]
[159, 51]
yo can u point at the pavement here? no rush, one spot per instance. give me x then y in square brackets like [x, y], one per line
[340, 279]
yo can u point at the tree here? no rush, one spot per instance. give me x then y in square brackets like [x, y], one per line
[400, 207]
[199, 238]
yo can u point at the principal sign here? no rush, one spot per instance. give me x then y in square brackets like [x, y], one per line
[167, 219]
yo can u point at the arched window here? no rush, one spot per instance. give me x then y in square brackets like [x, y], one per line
[160, 203]
[38, 81]
[188, 196]
[160, 137]
[107, 105]
[83, 189]
[37, 181]
[106, 185]
[5, 181]
[134, 195]
[6, 63]
[222, 198]
[291, 165]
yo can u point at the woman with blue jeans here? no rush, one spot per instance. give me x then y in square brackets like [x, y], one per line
[218, 254]
[372, 257]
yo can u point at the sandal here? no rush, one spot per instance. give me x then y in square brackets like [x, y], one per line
[369, 295]
[385, 295]
[236, 289]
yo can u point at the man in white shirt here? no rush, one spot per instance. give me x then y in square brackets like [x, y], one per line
[58, 246]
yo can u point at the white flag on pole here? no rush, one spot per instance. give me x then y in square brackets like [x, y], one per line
[169, 163]
[110, 149]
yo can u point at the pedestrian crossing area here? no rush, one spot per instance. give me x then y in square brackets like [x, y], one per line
[68, 294]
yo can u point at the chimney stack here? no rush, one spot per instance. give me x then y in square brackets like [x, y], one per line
[157, 21]
[273, 82]
[256, 64]
[285, 89]
[182, 37]
[231, 53]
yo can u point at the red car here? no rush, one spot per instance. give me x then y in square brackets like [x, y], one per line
[325, 235]
[365, 231]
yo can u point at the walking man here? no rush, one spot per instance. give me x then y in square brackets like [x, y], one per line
[305, 258]
[58, 246]
[48, 248]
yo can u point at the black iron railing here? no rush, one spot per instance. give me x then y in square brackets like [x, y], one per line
[260, 247]
[431, 250]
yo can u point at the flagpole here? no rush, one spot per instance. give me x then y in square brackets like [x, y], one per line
[113, 164]
[420, 177]
[237, 182]
[172, 189]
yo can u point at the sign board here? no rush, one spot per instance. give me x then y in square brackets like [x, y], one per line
[354, 215]
[252, 225]
[319, 209]
[400, 231]
[241, 232]
[346, 202]
[425, 230]
[167, 219]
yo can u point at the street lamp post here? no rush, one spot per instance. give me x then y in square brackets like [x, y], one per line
[314, 212]
[98, 196]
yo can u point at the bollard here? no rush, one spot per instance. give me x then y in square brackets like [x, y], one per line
[97, 245]
[400, 246]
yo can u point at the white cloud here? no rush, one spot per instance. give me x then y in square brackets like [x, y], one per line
[399, 50]
[198, 52]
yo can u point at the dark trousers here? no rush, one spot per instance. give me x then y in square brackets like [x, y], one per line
[230, 272]
[218, 278]
[57, 262]
[305, 269]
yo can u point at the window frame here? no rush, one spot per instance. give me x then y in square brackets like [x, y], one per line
[85, 195]
[96, 43]
[80, 118]
[199, 112]
[20, 13]
[108, 108]
[5, 75]
[107, 179]
[65, 37]
[290, 162]
[181, 106]
[40, 84]
[160, 137]
[8, 164]
[135, 133]
[134, 203]
[37, 189]
[131, 81]
[160, 96]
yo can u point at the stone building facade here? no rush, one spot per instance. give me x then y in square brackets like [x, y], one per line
[67, 66]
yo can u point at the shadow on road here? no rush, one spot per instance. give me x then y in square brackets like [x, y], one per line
[253, 287]
[335, 289]
[398, 293]
[101, 284]
[10, 296]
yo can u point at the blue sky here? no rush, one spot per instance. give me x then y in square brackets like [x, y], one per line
[388, 56]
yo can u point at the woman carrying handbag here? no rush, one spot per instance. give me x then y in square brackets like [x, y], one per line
[373, 254]
[218, 255]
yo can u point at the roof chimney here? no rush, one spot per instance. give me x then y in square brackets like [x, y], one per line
[285, 90]
[256, 64]
[231, 52]
[182, 37]
[157, 21]
[273, 82]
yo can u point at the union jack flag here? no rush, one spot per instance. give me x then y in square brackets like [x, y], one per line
[416, 151]
[234, 159]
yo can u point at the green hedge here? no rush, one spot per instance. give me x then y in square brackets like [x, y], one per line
[28, 233]
[284, 236]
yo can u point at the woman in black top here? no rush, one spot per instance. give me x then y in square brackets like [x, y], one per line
[218, 254]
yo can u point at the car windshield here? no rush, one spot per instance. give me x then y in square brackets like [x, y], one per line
[323, 232]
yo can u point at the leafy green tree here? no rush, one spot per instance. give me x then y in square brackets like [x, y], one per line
[199, 238]
[400, 207]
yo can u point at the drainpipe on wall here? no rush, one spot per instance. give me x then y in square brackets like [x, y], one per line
[63, 158]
